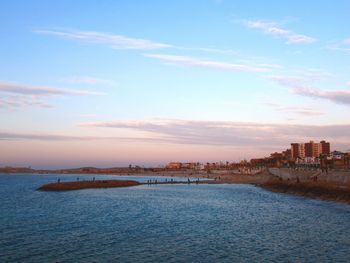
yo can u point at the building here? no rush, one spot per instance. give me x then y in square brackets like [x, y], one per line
[326, 148]
[184, 166]
[302, 150]
[295, 150]
[298, 150]
[174, 165]
[309, 149]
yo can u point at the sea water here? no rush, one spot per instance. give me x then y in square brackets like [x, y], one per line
[166, 223]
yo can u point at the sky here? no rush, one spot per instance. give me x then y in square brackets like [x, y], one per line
[113, 83]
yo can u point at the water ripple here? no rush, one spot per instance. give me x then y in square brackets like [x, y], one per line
[167, 223]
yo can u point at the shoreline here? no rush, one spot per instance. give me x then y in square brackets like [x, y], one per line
[323, 190]
[316, 190]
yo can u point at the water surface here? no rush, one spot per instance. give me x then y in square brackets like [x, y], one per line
[166, 223]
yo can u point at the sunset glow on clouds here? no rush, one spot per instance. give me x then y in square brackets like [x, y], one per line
[112, 84]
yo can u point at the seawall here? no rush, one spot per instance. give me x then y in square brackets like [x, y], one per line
[339, 177]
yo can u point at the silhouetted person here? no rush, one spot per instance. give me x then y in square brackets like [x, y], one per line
[77, 178]
[58, 180]
[188, 180]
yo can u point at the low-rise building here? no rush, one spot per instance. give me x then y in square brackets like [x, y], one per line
[174, 165]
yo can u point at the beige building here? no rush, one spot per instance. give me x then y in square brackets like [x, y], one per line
[310, 149]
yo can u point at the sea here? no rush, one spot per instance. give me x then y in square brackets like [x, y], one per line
[166, 223]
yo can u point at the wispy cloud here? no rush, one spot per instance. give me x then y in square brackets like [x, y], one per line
[124, 42]
[224, 51]
[87, 80]
[273, 29]
[227, 133]
[109, 39]
[337, 47]
[307, 111]
[302, 85]
[15, 95]
[300, 77]
[343, 45]
[9, 87]
[194, 62]
[288, 81]
[234, 135]
[14, 101]
[337, 96]
[15, 136]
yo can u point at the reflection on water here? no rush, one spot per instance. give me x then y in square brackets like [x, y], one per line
[166, 223]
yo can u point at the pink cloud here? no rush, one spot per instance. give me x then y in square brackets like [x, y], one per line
[274, 30]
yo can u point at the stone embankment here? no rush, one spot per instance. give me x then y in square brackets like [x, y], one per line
[332, 176]
[333, 186]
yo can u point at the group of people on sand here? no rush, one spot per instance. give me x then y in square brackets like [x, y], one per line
[189, 181]
[150, 181]
[59, 179]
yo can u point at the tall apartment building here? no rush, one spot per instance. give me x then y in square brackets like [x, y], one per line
[295, 150]
[310, 149]
[326, 147]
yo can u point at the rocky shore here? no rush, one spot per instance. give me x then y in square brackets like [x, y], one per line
[318, 190]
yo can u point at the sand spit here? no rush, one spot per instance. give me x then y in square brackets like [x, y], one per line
[67, 186]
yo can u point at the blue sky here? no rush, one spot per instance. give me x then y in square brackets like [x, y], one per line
[107, 83]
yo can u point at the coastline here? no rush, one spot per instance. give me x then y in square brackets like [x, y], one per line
[322, 189]
[317, 190]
